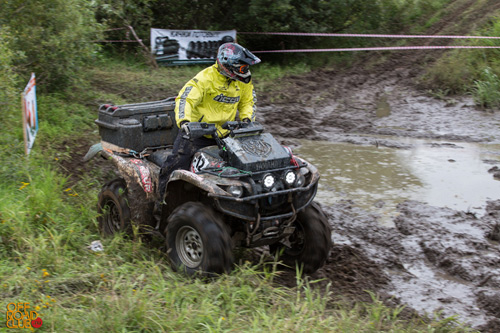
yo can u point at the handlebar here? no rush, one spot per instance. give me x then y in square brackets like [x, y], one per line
[236, 128]
[197, 130]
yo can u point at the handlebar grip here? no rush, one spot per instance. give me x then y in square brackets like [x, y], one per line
[230, 125]
[197, 129]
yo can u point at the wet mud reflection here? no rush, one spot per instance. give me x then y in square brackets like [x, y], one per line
[427, 215]
[441, 174]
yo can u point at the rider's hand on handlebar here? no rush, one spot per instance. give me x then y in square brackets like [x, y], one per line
[185, 127]
[246, 120]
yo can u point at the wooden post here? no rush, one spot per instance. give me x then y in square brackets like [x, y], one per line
[146, 49]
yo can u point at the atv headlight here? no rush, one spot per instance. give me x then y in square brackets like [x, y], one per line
[289, 177]
[235, 191]
[268, 181]
[301, 180]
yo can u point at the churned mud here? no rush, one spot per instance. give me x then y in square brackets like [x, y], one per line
[432, 258]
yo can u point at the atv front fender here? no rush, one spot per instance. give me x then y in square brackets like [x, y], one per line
[198, 181]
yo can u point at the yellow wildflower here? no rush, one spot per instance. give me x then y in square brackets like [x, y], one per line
[24, 185]
[45, 274]
[37, 308]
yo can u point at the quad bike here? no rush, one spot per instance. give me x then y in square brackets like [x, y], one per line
[248, 191]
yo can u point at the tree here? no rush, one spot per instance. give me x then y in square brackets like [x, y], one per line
[54, 35]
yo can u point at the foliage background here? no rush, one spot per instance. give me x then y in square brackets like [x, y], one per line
[54, 38]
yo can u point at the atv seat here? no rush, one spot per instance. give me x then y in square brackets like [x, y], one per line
[159, 157]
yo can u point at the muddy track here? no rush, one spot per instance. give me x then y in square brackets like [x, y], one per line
[433, 259]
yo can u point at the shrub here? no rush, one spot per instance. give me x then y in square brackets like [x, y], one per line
[55, 37]
[8, 77]
[10, 98]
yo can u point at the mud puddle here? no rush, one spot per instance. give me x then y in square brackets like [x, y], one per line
[427, 216]
[439, 173]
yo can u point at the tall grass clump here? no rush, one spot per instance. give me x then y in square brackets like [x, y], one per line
[469, 71]
[486, 91]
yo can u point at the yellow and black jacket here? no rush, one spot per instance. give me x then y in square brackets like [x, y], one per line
[216, 98]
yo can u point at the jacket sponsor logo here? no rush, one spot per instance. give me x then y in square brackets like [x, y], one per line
[226, 99]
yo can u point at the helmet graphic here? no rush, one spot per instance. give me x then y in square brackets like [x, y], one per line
[234, 61]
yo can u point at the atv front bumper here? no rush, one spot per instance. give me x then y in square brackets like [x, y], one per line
[249, 208]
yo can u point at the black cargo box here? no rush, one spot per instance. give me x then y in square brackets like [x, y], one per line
[138, 126]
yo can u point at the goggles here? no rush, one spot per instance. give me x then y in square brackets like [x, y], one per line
[240, 69]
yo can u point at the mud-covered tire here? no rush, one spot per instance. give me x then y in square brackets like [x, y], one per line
[113, 208]
[198, 242]
[311, 241]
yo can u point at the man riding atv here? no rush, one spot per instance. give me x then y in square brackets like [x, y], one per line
[214, 95]
[220, 183]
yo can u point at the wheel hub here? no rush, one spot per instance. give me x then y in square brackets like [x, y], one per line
[112, 217]
[189, 246]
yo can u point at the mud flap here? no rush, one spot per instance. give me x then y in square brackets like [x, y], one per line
[93, 150]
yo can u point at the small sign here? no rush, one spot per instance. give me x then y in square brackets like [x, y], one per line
[180, 47]
[30, 114]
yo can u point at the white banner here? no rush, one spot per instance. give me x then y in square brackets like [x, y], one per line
[30, 114]
[192, 45]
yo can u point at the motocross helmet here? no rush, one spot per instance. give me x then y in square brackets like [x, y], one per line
[234, 60]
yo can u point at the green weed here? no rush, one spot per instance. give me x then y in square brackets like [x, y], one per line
[486, 92]
[469, 71]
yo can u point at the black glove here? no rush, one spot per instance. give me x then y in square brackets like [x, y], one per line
[246, 120]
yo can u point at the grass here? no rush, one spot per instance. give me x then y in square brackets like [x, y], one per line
[487, 90]
[470, 71]
[48, 220]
